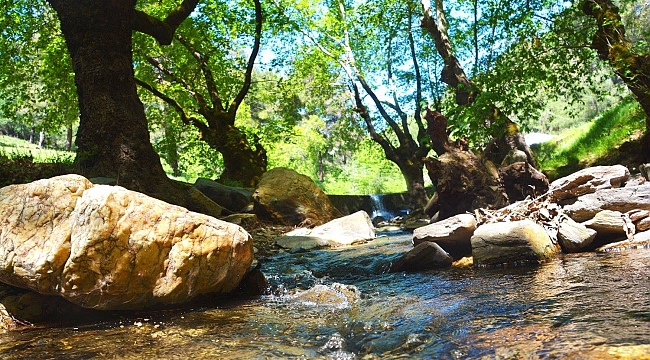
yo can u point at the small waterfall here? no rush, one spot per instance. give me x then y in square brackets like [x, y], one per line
[379, 209]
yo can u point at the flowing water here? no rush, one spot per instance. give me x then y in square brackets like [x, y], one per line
[341, 304]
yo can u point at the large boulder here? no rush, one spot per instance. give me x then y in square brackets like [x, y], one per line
[347, 230]
[511, 243]
[106, 247]
[292, 199]
[452, 234]
[589, 180]
[232, 198]
[620, 199]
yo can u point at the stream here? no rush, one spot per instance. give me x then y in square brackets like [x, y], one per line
[342, 304]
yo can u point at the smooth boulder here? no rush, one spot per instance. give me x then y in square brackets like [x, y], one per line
[106, 247]
[452, 234]
[344, 231]
[511, 243]
[292, 199]
[232, 198]
[425, 256]
[573, 236]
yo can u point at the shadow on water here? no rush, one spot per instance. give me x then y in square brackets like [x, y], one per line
[342, 304]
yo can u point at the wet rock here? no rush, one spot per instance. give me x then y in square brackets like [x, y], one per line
[573, 236]
[606, 352]
[620, 199]
[511, 243]
[588, 181]
[290, 198]
[335, 295]
[608, 222]
[347, 230]
[232, 198]
[465, 262]
[106, 247]
[425, 256]
[452, 234]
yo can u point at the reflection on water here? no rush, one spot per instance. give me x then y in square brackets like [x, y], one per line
[340, 304]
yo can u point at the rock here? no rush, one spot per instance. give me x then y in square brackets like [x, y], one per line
[336, 295]
[465, 262]
[588, 181]
[636, 215]
[103, 181]
[412, 223]
[289, 198]
[608, 222]
[607, 352]
[425, 256]
[573, 236]
[640, 240]
[232, 198]
[452, 234]
[106, 247]
[642, 225]
[244, 220]
[203, 204]
[348, 230]
[511, 243]
[620, 199]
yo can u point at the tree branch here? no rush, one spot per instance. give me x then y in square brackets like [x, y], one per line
[171, 102]
[163, 31]
[207, 73]
[251, 60]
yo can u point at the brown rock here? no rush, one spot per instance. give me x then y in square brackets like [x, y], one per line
[290, 198]
[117, 249]
[588, 181]
[452, 234]
[425, 256]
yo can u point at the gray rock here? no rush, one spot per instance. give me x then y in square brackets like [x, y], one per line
[620, 199]
[639, 240]
[347, 230]
[425, 256]
[588, 181]
[511, 243]
[452, 234]
[609, 222]
[573, 236]
[232, 198]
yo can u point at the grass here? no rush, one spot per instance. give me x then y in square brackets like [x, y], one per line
[609, 138]
[12, 147]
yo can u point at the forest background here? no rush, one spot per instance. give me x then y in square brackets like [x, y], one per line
[295, 78]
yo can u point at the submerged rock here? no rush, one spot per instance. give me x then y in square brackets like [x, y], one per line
[290, 198]
[452, 234]
[347, 230]
[335, 295]
[106, 247]
[511, 242]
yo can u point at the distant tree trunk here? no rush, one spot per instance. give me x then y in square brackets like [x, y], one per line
[612, 46]
[68, 139]
[321, 171]
[41, 139]
[113, 139]
[171, 149]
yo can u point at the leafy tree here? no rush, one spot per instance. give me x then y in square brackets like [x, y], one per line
[205, 44]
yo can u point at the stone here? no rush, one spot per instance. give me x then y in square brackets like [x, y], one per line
[589, 180]
[336, 295]
[573, 236]
[609, 222]
[105, 247]
[452, 234]
[636, 214]
[292, 199]
[620, 199]
[232, 198]
[425, 256]
[344, 231]
[639, 240]
[511, 243]
[244, 220]
[203, 204]
[642, 225]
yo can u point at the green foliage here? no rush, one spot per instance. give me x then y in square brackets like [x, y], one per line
[588, 144]
[22, 162]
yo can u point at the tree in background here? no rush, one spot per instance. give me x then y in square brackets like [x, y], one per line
[207, 45]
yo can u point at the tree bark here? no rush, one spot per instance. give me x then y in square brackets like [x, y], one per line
[113, 139]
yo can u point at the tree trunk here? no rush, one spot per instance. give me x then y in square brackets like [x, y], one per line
[68, 138]
[414, 176]
[113, 139]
